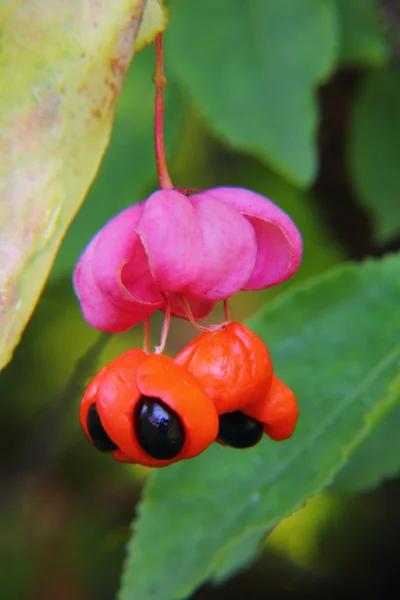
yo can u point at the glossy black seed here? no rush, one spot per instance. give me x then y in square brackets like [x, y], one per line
[238, 430]
[158, 429]
[100, 438]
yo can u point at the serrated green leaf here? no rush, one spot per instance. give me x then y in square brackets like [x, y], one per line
[374, 150]
[335, 342]
[378, 458]
[253, 68]
[128, 167]
[361, 31]
[238, 554]
[62, 66]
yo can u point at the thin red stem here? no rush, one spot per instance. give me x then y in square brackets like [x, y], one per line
[227, 310]
[160, 81]
[192, 320]
[146, 334]
[164, 330]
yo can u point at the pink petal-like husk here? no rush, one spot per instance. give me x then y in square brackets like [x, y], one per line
[112, 278]
[279, 243]
[228, 249]
[97, 308]
[171, 237]
[200, 308]
[120, 266]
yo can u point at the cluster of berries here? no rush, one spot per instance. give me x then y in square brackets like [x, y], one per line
[150, 409]
[180, 252]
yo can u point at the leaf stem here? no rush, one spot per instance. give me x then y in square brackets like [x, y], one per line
[192, 320]
[146, 334]
[164, 330]
[227, 310]
[160, 81]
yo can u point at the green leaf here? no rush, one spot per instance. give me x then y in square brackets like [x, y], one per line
[335, 342]
[62, 66]
[237, 554]
[128, 168]
[378, 458]
[375, 149]
[255, 81]
[362, 37]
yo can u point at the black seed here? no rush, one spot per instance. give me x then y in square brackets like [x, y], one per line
[238, 430]
[158, 429]
[100, 438]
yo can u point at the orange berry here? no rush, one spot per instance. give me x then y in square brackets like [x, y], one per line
[144, 408]
[278, 410]
[233, 365]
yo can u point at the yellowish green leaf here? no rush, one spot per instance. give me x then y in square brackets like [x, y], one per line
[154, 21]
[62, 65]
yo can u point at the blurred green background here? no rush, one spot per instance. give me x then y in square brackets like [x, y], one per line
[314, 124]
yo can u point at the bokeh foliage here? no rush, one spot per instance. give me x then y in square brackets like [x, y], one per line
[243, 107]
